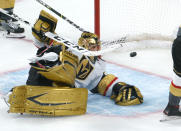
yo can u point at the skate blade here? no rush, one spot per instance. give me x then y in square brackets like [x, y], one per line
[5, 34]
[13, 35]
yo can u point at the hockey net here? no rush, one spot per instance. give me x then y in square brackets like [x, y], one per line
[145, 23]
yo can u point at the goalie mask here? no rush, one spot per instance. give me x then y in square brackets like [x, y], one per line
[89, 41]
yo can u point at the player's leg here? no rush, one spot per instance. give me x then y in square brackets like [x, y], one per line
[172, 109]
[6, 22]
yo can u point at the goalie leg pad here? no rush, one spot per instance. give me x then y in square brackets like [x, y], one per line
[45, 23]
[50, 101]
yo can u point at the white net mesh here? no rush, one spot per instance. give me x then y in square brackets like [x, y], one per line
[120, 17]
[141, 21]
[138, 19]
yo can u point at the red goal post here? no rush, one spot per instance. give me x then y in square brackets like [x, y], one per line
[97, 17]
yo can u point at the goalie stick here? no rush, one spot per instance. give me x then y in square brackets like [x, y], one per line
[80, 49]
[123, 39]
[107, 46]
[128, 38]
[75, 47]
[67, 43]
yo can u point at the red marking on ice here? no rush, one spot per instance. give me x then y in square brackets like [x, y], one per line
[10, 71]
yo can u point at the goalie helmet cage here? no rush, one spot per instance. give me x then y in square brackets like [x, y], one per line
[139, 20]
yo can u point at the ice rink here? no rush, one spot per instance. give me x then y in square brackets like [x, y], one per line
[150, 70]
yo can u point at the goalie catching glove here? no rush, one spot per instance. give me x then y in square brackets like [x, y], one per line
[45, 23]
[124, 94]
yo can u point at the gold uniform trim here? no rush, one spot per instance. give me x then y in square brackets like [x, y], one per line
[175, 91]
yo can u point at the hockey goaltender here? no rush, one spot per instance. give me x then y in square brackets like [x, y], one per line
[59, 78]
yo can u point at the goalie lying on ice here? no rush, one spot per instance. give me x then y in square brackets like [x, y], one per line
[60, 76]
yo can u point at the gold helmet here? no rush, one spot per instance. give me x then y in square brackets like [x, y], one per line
[88, 39]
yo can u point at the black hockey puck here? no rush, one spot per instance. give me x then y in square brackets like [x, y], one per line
[133, 54]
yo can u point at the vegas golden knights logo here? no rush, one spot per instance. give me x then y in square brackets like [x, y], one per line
[84, 69]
